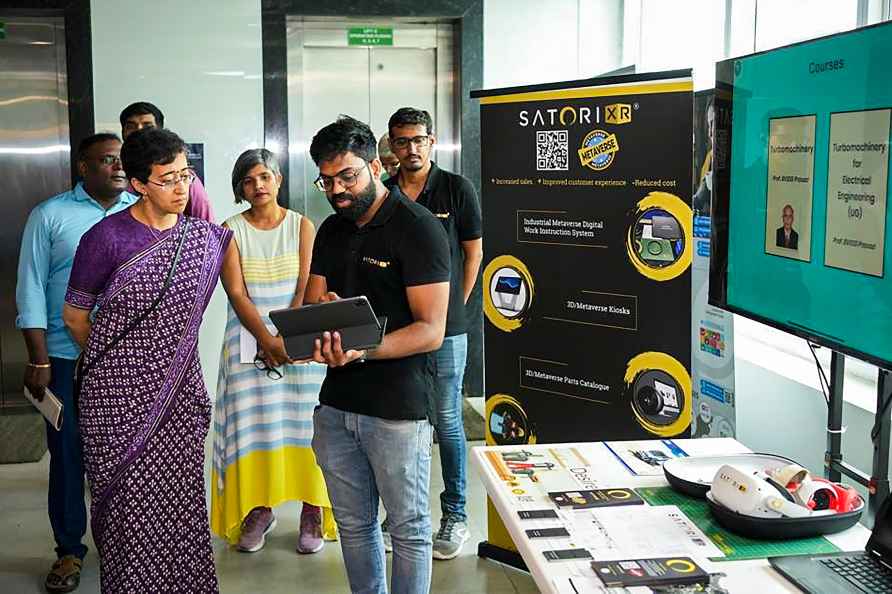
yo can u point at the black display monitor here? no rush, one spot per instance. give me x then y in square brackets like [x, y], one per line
[800, 217]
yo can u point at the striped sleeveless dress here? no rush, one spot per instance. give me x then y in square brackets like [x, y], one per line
[263, 427]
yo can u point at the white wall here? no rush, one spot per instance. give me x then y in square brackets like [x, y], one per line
[538, 41]
[202, 67]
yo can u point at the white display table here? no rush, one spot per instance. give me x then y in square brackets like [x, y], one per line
[524, 479]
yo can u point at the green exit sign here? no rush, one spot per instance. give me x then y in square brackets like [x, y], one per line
[370, 36]
[2, 30]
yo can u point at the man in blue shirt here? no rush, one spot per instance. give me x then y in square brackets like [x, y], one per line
[49, 242]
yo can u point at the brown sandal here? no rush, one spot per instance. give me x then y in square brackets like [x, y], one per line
[65, 576]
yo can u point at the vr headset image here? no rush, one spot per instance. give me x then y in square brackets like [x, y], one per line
[787, 492]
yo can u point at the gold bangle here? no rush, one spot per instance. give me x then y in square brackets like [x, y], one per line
[40, 365]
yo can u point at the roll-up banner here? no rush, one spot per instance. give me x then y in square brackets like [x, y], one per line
[588, 243]
[712, 336]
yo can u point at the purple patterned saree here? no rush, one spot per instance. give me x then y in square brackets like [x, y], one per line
[143, 411]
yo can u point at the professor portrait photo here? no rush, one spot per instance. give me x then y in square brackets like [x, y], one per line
[786, 236]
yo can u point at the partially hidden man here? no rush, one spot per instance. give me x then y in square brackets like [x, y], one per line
[452, 199]
[372, 431]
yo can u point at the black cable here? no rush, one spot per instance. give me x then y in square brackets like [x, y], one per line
[822, 377]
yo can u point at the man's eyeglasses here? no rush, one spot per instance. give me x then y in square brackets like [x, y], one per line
[403, 141]
[347, 177]
[171, 182]
[271, 372]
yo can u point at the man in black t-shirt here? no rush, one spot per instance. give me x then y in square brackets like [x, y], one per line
[372, 432]
[452, 199]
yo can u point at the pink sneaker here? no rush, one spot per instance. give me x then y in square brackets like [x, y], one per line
[259, 522]
[310, 540]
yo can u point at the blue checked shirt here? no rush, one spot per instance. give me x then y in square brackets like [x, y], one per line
[53, 230]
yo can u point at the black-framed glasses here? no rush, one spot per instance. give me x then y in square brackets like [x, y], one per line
[347, 177]
[404, 141]
[170, 183]
[271, 372]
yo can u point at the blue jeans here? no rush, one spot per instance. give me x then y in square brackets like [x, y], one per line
[65, 500]
[362, 458]
[451, 358]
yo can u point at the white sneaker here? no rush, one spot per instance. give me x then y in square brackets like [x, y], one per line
[449, 539]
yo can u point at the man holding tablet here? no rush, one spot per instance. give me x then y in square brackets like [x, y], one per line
[372, 431]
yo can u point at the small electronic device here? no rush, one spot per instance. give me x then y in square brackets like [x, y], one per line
[595, 498]
[508, 289]
[567, 555]
[665, 227]
[658, 401]
[784, 492]
[864, 571]
[559, 532]
[656, 250]
[665, 571]
[537, 514]
[352, 317]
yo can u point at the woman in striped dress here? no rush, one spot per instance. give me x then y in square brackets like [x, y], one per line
[264, 411]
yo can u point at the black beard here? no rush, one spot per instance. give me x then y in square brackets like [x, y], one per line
[359, 203]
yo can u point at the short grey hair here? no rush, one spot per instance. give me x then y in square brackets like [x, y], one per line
[384, 149]
[247, 161]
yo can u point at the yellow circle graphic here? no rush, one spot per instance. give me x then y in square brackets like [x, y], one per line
[680, 565]
[522, 421]
[676, 207]
[518, 491]
[618, 494]
[668, 364]
[496, 317]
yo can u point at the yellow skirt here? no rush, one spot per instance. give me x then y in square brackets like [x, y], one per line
[268, 478]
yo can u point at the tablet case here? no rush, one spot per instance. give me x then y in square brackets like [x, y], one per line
[353, 318]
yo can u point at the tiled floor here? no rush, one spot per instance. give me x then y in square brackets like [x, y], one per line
[28, 549]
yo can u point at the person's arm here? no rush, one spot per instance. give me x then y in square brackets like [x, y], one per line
[428, 304]
[234, 285]
[470, 232]
[307, 236]
[94, 263]
[77, 321]
[31, 281]
[317, 289]
[473, 250]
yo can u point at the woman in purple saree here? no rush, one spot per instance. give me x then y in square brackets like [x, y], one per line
[143, 408]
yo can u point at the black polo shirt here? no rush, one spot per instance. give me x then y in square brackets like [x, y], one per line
[453, 201]
[402, 246]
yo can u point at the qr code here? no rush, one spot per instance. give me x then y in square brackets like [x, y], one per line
[552, 150]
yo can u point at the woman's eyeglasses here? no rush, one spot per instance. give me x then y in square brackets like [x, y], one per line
[271, 372]
[170, 183]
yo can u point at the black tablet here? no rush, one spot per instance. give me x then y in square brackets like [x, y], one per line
[352, 317]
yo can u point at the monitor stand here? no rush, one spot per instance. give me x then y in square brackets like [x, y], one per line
[877, 483]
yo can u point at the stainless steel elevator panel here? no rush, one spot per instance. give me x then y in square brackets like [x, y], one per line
[34, 160]
[327, 77]
[401, 77]
[336, 82]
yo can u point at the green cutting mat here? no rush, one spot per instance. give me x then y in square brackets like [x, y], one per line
[735, 547]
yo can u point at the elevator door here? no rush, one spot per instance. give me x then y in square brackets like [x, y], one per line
[34, 160]
[327, 78]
